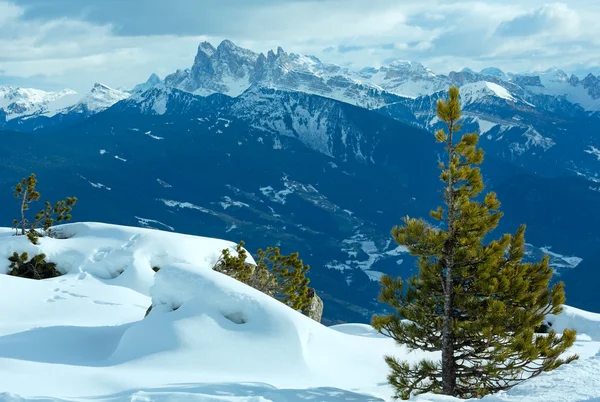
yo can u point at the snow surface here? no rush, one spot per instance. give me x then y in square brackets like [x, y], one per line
[83, 336]
[19, 102]
[555, 82]
[474, 92]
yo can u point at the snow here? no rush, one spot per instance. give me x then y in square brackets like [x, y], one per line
[83, 335]
[149, 133]
[484, 125]
[228, 202]
[100, 98]
[555, 82]
[163, 183]
[19, 102]
[474, 92]
[593, 151]
[147, 223]
[188, 205]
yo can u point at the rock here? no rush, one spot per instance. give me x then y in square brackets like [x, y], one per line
[315, 308]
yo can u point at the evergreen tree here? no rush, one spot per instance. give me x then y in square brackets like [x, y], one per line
[35, 268]
[235, 266]
[478, 304]
[280, 276]
[26, 193]
[289, 272]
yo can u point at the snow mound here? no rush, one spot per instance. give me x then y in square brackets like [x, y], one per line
[83, 335]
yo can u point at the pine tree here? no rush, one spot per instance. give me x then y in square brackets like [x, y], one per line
[280, 276]
[289, 272]
[476, 303]
[26, 193]
[35, 268]
[235, 266]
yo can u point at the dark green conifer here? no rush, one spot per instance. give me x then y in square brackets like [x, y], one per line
[476, 303]
[289, 272]
[235, 266]
[280, 276]
[35, 268]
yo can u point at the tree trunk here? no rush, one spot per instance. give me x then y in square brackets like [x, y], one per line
[448, 363]
[23, 212]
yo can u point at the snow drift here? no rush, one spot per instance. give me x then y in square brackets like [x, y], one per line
[83, 336]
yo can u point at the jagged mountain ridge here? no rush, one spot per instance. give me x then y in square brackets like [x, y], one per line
[27, 109]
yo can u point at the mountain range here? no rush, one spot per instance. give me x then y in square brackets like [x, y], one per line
[283, 149]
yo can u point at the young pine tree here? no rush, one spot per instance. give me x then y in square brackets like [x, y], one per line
[26, 193]
[476, 303]
[280, 276]
[290, 284]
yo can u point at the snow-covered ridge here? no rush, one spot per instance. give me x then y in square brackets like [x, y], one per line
[231, 70]
[26, 103]
[473, 92]
[18, 102]
[84, 332]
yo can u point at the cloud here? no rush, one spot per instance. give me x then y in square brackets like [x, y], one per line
[73, 43]
[556, 17]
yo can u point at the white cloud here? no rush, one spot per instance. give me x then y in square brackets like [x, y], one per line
[74, 43]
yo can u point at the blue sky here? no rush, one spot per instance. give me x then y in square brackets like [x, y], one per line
[54, 44]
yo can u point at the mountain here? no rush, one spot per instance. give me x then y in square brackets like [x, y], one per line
[99, 98]
[283, 149]
[280, 167]
[16, 102]
[31, 109]
[230, 70]
[152, 80]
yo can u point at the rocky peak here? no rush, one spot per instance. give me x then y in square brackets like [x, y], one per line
[101, 88]
[528, 80]
[494, 72]
[574, 80]
[592, 84]
[206, 48]
[150, 82]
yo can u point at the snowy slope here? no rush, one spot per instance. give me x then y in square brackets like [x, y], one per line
[83, 336]
[18, 102]
[555, 82]
[28, 103]
[99, 98]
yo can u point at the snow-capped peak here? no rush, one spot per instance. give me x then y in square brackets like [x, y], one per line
[18, 102]
[494, 72]
[474, 92]
[150, 82]
[99, 98]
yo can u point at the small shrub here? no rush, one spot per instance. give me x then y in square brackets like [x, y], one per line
[35, 268]
[235, 266]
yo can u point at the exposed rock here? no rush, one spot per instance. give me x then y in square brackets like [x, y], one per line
[315, 308]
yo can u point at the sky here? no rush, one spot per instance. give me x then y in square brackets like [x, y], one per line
[55, 44]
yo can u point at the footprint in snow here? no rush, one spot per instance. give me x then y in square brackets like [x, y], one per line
[101, 253]
[73, 294]
[55, 298]
[106, 303]
[132, 240]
